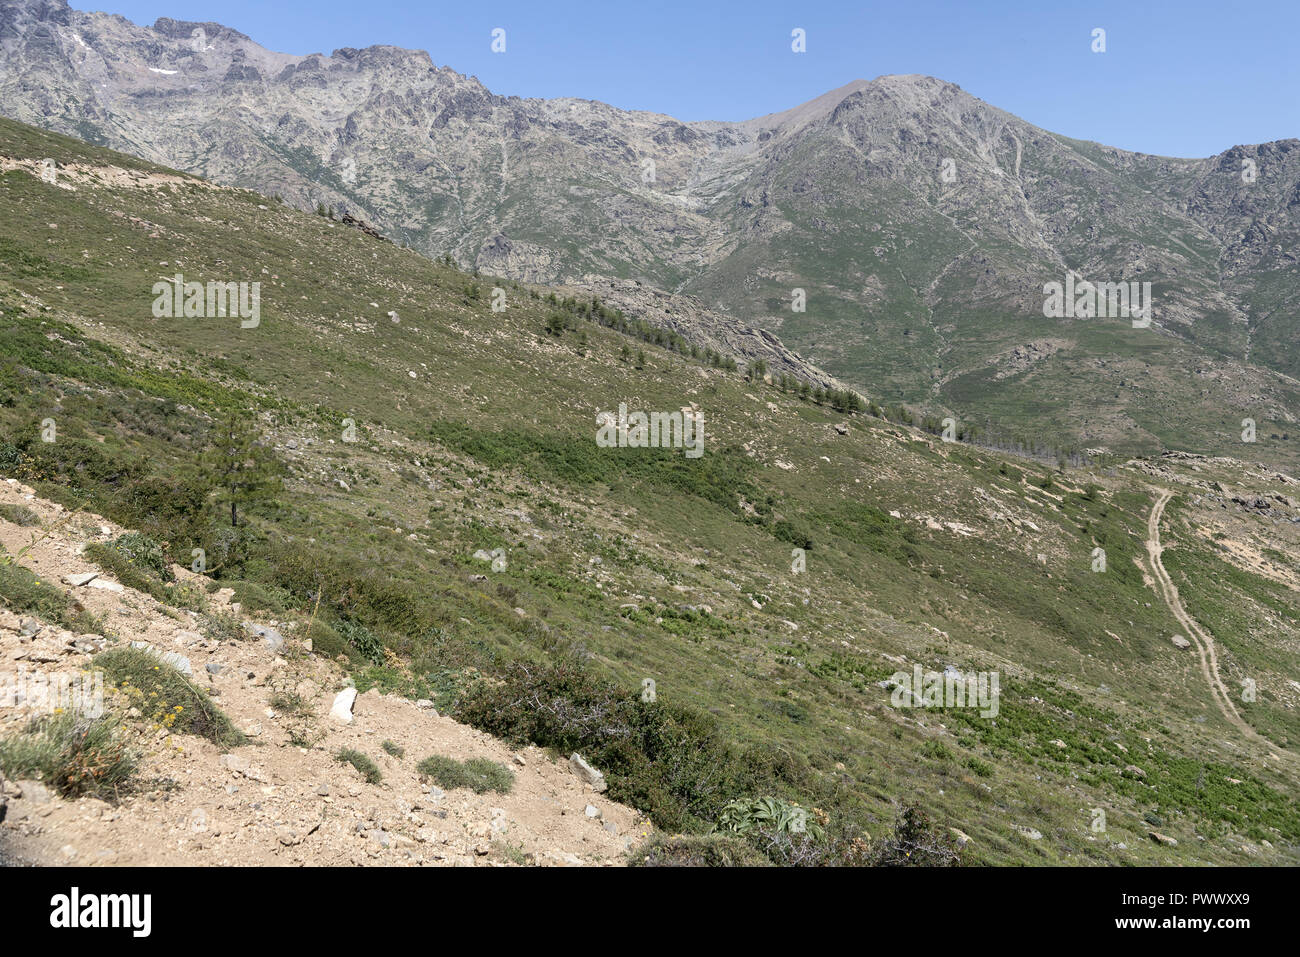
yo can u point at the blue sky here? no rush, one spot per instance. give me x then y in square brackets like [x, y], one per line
[1188, 78]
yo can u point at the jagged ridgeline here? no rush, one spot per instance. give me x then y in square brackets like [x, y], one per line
[386, 455]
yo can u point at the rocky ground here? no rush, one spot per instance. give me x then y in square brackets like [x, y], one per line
[271, 801]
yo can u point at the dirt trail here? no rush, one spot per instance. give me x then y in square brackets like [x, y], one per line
[1202, 639]
[275, 800]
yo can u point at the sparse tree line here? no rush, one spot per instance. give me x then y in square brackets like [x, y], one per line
[841, 400]
[979, 436]
[570, 311]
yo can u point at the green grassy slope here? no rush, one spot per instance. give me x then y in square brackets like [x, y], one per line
[475, 430]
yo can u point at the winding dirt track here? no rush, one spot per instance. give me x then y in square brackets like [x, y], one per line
[1202, 639]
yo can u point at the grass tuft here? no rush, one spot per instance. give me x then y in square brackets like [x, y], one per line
[75, 755]
[478, 774]
[166, 696]
[369, 770]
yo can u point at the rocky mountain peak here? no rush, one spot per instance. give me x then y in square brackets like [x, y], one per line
[919, 223]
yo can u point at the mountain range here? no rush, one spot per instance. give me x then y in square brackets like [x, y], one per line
[897, 234]
[423, 506]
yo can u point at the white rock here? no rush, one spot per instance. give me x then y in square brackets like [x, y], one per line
[274, 640]
[587, 772]
[342, 708]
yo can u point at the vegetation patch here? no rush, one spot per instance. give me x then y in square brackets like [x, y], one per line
[167, 697]
[19, 515]
[139, 562]
[478, 774]
[368, 769]
[697, 850]
[22, 592]
[76, 755]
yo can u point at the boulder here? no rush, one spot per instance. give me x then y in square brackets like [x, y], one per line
[341, 710]
[177, 661]
[34, 791]
[274, 640]
[587, 772]
[234, 763]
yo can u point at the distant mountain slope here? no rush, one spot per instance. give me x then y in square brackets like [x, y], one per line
[920, 223]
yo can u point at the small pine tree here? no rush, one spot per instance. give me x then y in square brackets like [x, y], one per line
[239, 466]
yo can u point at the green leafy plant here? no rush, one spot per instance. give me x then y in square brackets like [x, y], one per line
[144, 552]
[768, 814]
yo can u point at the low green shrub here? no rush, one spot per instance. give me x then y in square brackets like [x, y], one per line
[697, 850]
[166, 696]
[364, 641]
[76, 755]
[19, 515]
[369, 770]
[916, 842]
[478, 774]
[22, 592]
[669, 761]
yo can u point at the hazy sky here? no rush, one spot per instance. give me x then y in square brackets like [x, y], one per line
[1187, 78]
